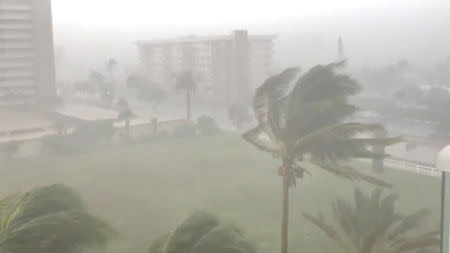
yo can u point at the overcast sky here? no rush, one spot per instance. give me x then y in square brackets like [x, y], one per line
[126, 13]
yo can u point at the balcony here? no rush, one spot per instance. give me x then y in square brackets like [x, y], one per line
[16, 84]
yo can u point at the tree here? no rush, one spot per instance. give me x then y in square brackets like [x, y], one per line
[302, 125]
[185, 83]
[126, 114]
[372, 225]
[105, 88]
[239, 115]
[203, 232]
[49, 219]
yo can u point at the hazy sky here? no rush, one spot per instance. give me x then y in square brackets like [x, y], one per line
[125, 13]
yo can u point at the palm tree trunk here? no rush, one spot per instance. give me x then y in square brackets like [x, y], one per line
[188, 105]
[285, 214]
[127, 128]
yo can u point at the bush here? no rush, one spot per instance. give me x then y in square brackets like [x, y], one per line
[207, 126]
[84, 139]
[203, 232]
[184, 131]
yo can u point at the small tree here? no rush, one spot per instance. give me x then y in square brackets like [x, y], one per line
[126, 114]
[372, 225]
[186, 84]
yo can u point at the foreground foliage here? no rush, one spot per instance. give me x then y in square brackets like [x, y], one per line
[372, 225]
[49, 219]
[201, 233]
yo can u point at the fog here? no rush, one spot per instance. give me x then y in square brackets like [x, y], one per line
[373, 34]
[234, 126]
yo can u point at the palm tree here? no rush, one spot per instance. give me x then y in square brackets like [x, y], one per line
[203, 232]
[186, 83]
[300, 121]
[372, 225]
[125, 114]
[49, 219]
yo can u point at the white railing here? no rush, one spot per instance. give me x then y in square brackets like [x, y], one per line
[401, 164]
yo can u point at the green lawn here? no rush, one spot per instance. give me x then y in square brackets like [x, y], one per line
[146, 189]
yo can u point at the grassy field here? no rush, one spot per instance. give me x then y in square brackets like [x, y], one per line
[145, 190]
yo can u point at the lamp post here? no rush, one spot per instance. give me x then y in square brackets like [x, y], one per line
[443, 163]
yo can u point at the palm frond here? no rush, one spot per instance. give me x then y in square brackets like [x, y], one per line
[49, 199]
[185, 82]
[158, 244]
[64, 232]
[409, 222]
[350, 173]
[320, 96]
[270, 101]
[185, 236]
[326, 228]
[339, 142]
[254, 136]
[10, 208]
[418, 242]
[202, 233]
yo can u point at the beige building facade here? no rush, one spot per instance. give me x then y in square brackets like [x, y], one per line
[227, 68]
[27, 68]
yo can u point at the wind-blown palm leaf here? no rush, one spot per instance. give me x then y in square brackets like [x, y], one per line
[49, 199]
[255, 136]
[350, 173]
[185, 82]
[319, 99]
[270, 100]
[49, 219]
[326, 228]
[409, 222]
[368, 225]
[203, 233]
[338, 142]
[64, 232]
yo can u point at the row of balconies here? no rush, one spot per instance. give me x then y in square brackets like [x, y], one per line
[25, 83]
[9, 77]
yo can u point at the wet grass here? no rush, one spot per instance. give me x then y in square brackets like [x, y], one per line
[146, 189]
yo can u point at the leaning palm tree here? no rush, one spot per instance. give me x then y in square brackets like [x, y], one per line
[186, 83]
[300, 121]
[49, 219]
[372, 225]
[203, 232]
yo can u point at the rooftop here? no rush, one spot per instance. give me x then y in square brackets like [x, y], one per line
[195, 38]
[86, 113]
[22, 121]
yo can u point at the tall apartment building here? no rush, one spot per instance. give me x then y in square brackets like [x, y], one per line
[227, 68]
[27, 71]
